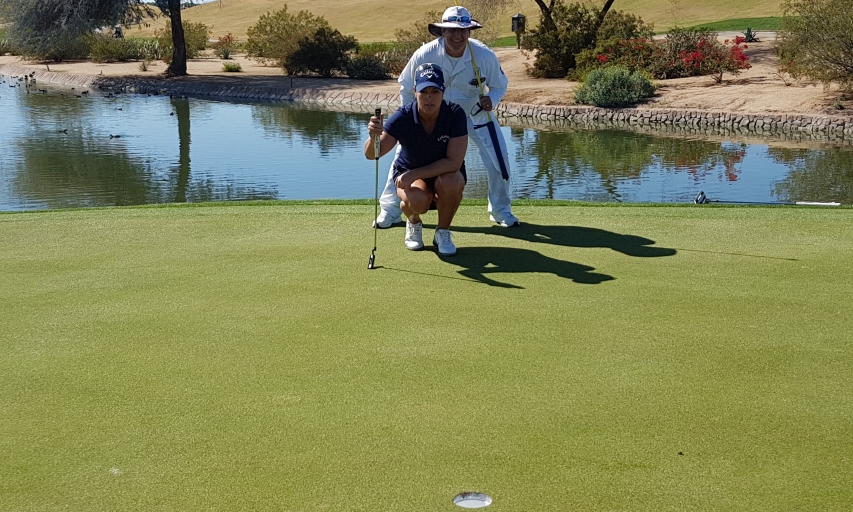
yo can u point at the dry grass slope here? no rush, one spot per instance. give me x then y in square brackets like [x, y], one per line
[368, 22]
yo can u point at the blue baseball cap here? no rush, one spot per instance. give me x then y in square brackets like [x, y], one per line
[429, 75]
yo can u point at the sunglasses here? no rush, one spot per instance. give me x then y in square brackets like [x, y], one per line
[460, 19]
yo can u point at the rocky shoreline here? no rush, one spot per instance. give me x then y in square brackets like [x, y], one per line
[831, 129]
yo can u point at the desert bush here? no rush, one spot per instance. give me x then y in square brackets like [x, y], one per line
[407, 40]
[576, 28]
[149, 48]
[623, 25]
[367, 67]
[614, 87]
[232, 67]
[58, 48]
[276, 35]
[195, 39]
[324, 53]
[492, 14]
[5, 46]
[815, 40]
[103, 47]
[225, 46]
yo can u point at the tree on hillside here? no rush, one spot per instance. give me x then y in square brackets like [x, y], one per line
[548, 9]
[172, 9]
[51, 29]
[564, 31]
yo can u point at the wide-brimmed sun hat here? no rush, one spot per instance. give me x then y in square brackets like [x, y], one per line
[454, 17]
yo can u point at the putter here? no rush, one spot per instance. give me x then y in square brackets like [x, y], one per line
[372, 260]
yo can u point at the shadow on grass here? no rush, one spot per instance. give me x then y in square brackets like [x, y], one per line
[576, 236]
[479, 261]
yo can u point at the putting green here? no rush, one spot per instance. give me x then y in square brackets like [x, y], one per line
[242, 357]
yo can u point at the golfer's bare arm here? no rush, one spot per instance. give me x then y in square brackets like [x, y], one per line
[386, 141]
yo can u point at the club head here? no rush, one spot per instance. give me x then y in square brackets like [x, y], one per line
[370, 261]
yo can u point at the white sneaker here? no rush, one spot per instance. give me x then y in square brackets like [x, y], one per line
[505, 219]
[414, 236]
[444, 242]
[385, 220]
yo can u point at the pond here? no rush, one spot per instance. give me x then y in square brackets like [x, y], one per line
[62, 148]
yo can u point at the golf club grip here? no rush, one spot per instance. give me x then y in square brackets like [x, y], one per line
[376, 143]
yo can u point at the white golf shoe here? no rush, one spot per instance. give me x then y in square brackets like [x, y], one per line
[444, 242]
[414, 236]
[385, 220]
[505, 219]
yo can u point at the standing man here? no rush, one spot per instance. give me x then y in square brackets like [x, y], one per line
[452, 52]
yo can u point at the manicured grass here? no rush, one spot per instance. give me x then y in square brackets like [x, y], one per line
[506, 41]
[741, 24]
[597, 358]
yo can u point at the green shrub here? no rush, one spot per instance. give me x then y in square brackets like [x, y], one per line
[614, 87]
[276, 35]
[367, 67]
[103, 47]
[324, 53]
[815, 40]
[576, 28]
[371, 49]
[232, 67]
[407, 40]
[149, 48]
[623, 25]
[195, 39]
[57, 48]
[5, 46]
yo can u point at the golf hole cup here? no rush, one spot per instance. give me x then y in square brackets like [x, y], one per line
[472, 500]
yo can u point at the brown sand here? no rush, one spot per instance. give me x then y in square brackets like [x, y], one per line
[756, 90]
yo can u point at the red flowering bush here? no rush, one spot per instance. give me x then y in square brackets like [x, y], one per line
[225, 45]
[632, 54]
[713, 58]
[685, 52]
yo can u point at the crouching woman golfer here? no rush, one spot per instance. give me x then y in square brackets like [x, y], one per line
[430, 169]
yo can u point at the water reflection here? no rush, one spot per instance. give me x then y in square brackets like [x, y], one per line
[182, 112]
[824, 175]
[57, 152]
[329, 131]
[98, 171]
[614, 159]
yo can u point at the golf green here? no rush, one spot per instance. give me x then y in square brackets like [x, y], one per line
[242, 357]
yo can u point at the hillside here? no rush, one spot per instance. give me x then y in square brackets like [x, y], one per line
[369, 21]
